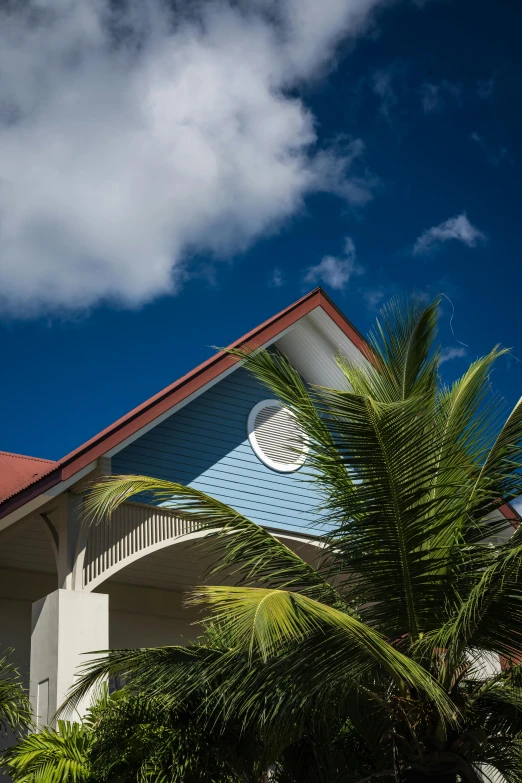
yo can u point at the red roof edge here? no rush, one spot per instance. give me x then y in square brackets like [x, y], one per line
[178, 391]
[19, 470]
[511, 514]
[30, 491]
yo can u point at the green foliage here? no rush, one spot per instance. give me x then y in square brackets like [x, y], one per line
[52, 756]
[370, 658]
[15, 710]
[138, 738]
[128, 738]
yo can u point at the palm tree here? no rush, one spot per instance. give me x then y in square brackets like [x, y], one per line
[389, 639]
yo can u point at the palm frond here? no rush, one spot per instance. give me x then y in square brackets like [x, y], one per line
[51, 756]
[489, 616]
[499, 477]
[403, 342]
[266, 619]
[150, 670]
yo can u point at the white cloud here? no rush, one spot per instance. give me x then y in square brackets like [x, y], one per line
[374, 298]
[458, 228]
[452, 353]
[493, 156]
[435, 97]
[384, 88]
[486, 88]
[333, 271]
[277, 278]
[132, 137]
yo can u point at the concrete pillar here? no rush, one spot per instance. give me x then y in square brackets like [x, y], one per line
[65, 625]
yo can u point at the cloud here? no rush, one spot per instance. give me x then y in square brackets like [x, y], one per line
[436, 97]
[451, 353]
[458, 228]
[334, 271]
[384, 89]
[135, 137]
[392, 86]
[373, 298]
[493, 156]
[277, 279]
[486, 88]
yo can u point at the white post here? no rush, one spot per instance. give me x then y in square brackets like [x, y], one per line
[65, 625]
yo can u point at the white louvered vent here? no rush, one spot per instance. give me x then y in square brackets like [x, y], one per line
[275, 436]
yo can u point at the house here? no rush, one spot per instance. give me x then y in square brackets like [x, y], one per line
[66, 589]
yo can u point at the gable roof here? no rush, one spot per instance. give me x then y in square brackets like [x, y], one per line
[18, 470]
[21, 487]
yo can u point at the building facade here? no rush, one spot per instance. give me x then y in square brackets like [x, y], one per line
[67, 589]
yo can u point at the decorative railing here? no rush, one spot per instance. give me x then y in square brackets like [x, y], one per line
[133, 531]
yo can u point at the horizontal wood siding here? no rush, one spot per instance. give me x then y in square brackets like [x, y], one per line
[205, 445]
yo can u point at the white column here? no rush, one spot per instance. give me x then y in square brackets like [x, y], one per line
[65, 625]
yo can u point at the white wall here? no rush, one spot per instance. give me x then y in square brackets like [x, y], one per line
[147, 617]
[18, 591]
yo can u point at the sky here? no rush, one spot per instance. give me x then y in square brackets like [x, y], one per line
[171, 175]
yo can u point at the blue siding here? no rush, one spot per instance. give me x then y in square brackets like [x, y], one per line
[205, 445]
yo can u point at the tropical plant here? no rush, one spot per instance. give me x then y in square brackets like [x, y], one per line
[124, 738]
[52, 755]
[389, 638]
[15, 709]
[57, 755]
[149, 739]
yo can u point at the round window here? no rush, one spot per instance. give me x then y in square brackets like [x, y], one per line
[276, 437]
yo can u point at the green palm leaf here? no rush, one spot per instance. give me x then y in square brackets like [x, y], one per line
[266, 619]
[51, 756]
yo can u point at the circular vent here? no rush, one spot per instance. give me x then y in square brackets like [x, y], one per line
[275, 436]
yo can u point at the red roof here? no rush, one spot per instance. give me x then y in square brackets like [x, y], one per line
[22, 487]
[17, 470]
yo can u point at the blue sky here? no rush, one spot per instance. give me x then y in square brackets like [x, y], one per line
[381, 154]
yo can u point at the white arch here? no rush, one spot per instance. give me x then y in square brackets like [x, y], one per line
[134, 532]
[104, 575]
